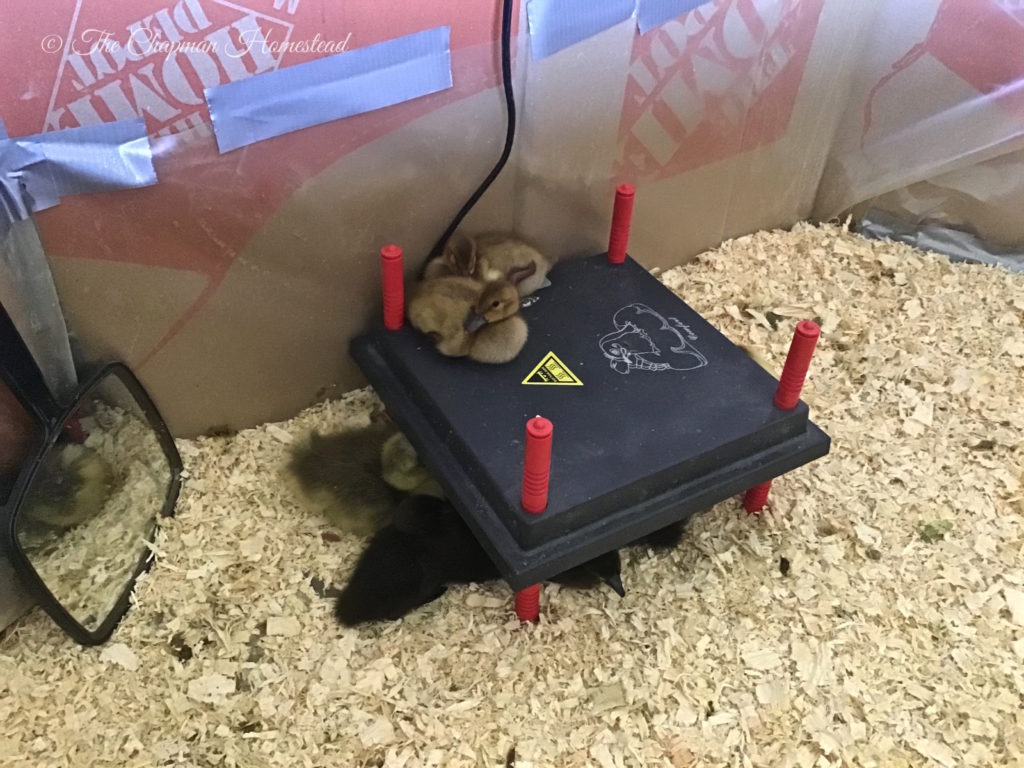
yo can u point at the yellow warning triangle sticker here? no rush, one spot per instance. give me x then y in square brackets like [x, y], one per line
[554, 372]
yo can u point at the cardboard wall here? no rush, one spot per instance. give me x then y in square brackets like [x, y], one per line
[234, 285]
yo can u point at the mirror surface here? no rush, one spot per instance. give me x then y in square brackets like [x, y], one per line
[90, 512]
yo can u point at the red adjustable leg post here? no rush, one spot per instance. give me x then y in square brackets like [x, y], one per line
[536, 474]
[393, 286]
[787, 395]
[622, 217]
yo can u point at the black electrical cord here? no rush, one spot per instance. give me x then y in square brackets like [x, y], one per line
[510, 133]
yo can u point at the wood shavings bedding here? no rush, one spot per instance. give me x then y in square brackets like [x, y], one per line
[881, 647]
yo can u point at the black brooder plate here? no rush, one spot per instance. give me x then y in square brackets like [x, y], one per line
[669, 418]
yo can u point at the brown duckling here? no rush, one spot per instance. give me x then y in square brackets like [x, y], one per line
[464, 317]
[492, 256]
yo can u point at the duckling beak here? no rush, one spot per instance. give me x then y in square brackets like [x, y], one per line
[474, 323]
[615, 582]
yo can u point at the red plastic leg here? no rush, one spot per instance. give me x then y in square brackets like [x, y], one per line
[756, 498]
[528, 603]
[622, 216]
[393, 286]
[536, 475]
[787, 395]
[791, 382]
[537, 465]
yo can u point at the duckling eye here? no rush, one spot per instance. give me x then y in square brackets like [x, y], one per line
[495, 303]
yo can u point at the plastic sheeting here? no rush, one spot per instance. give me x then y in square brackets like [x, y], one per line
[933, 131]
[957, 244]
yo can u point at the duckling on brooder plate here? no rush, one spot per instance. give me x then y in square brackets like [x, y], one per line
[466, 318]
[492, 256]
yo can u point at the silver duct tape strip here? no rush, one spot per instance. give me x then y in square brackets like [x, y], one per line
[98, 158]
[330, 88]
[37, 171]
[557, 24]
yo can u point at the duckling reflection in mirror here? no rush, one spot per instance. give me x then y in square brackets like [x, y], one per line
[357, 476]
[72, 485]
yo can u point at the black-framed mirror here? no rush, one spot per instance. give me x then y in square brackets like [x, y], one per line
[84, 497]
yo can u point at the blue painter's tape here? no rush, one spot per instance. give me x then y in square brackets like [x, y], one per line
[654, 13]
[37, 171]
[557, 24]
[342, 85]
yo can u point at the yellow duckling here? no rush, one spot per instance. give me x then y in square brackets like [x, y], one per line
[491, 256]
[466, 318]
[401, 468]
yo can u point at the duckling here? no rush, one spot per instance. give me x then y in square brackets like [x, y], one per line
[402, 470]
[426, 547]
[340, 476]
[502, 254]
[410, 562]
[457, 259]
[605, 568]
[442, 525]
[454, 311]
[355, 477]
[440, 308]
[665, 538]
[72, 485]
[499, 342]
[492, 256]
[392, 577]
